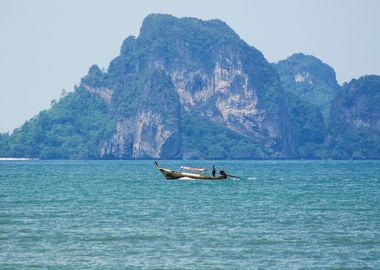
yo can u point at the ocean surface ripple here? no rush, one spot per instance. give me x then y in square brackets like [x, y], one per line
[124, 215]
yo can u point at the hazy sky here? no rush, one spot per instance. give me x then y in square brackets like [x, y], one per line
[47, 46]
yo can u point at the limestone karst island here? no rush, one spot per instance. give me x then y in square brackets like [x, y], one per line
[185, 88]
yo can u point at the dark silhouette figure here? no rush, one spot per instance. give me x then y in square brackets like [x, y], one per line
[213, 171]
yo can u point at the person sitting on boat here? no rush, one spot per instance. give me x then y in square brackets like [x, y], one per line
[222, 173]
[213, 171]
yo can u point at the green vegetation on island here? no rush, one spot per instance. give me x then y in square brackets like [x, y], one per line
[192, 89]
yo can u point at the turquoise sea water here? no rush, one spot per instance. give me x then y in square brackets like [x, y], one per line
[124, 215]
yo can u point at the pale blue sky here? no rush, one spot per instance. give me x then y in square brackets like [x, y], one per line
[47, 46]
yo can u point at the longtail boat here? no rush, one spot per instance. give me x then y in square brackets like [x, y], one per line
[172, 175]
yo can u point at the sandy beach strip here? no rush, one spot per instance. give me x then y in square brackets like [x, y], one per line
[11, 158]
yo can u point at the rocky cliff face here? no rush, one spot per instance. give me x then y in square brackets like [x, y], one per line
[209, 71]
[310, 86]
[354, 131]
[309, 79]
[147, 123]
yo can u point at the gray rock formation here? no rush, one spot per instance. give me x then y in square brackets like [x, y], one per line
[213, 73]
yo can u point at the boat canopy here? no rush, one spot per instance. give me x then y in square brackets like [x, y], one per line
[193, 169]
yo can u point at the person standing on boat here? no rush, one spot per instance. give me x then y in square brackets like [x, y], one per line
[213, 171]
